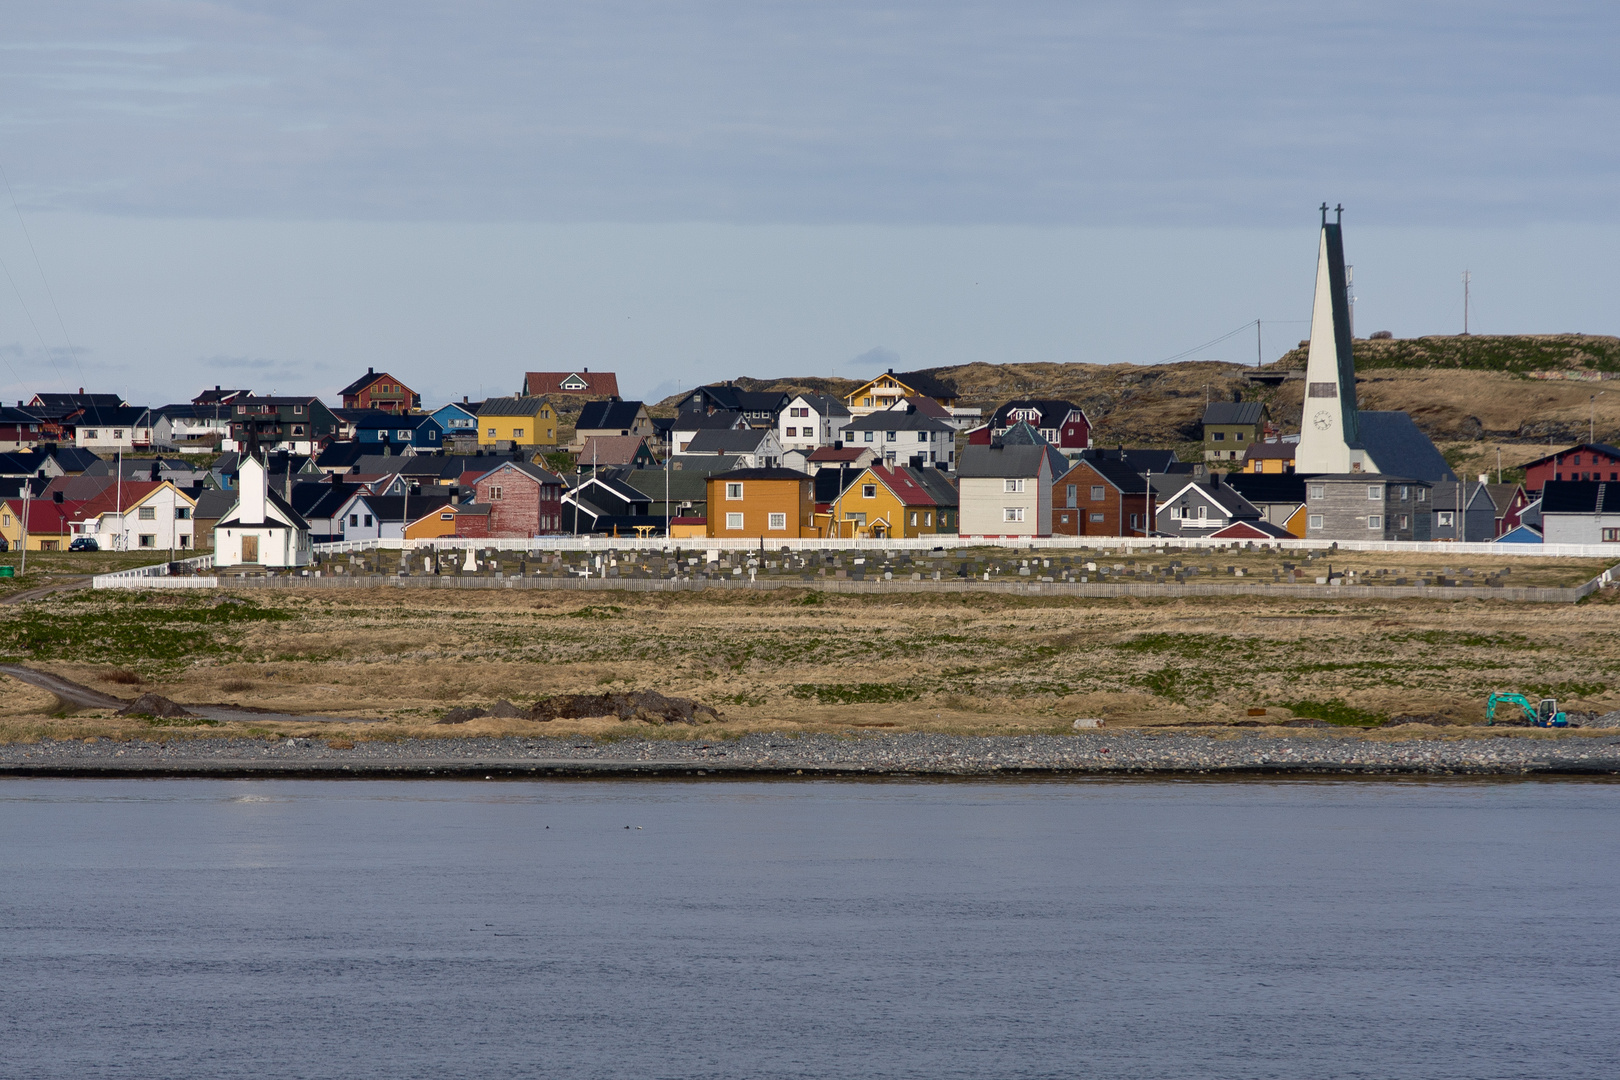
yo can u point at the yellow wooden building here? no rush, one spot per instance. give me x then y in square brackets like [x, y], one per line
[773, 504]
[888, 501]
[521, 421]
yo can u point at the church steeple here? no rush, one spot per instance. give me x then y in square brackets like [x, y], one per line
[1330, 435]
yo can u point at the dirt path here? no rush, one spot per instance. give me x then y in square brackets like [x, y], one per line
[46, 590]
[86, 698]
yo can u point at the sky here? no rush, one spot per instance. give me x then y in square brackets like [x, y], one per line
[282, 195]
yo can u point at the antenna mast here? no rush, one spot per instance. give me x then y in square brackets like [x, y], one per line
[1468, 280]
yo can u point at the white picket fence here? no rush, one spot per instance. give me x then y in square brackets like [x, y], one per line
[158, 577]
[952, 542]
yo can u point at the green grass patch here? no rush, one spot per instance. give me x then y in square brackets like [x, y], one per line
[178, 721]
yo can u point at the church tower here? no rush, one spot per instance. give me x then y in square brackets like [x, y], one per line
[1330, 432]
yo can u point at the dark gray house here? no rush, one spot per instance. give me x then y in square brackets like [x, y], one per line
[1468, 503]
[1198, 509]
[1366, 506]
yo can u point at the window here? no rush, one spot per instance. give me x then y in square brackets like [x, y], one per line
[1098, 493]
[1375, 521]
[447, 517]
[1073, 497]
[792, 433]
[1098, 518]
[492, 433]
[404, 433]
[182, 513]
[1203, 513]
[1375, 492]
[1063, 518]
[914, 517]
[891, 436]
[798, 412]
[775, 521]
[354, 519]
[734, 491]
[1012, 485]
[1318, 491]
[517, 433]
[734, 521]
[1611, 536]
[1175, 513]
[496, 493]
[928, 517]
[1423, 494]
[1403, 522]
[1238, 437]
[90, 433]
[1314, 521]
[1576, 460]
[118, 433]
[1012, 513]
[1218, 436]
[368, 521]
[298, 429]
[867, 436]
[922, 436]
[147, 513]
[1445, 518]
[868, 491]
[147, 540]
[298, 410]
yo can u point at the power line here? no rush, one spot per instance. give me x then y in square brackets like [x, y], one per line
[22, 304]
[43, 280]
[1199, 348]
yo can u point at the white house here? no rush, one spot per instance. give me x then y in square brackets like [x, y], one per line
[1005, 488]
[904, 436]
[811, 421]
[261, 529]
[756, 448]
[1580, 512]
[153, 517]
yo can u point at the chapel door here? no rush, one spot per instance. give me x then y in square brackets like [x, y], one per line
[250, 549]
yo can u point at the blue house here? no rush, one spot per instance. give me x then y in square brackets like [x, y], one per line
[418, 430]
[458, 418]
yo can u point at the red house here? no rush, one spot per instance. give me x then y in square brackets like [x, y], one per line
[380, 390]
[524, 500]
[1061, 423]
[1588, 461]
[581, 383]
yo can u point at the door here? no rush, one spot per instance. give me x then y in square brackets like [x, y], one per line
[250, 549]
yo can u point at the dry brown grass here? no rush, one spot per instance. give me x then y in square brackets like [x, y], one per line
[952, 663]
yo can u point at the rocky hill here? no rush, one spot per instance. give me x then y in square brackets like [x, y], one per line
[1512, 390]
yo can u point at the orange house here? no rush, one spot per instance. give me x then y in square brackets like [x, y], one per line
[770, 504]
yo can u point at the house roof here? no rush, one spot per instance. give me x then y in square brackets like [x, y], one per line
[716, 421]
[762, 474]
[1444, 494]
[282, 399]
[1052, 410]
[612, 449]
[466, 408]
[897, 420]
[1602, 448]
[79, 401]
[685, 485]
[512, 406]
[1117, 473]
[1397, 446]
[823, 404]
[395, 507]
[925, 405]
[527, 468]
[1234, 412]
[72, 459]
[1269, 487]
[607, 415]
[706, 464]
[1257, 529]
[1142, 460]
[210, 397]
[109, 416]
[836, 454]
[379, 420]
[921, 382]
[732, 398]
[1502, 495]
[905, 483]
[597, 383]
[831, 483]
[1580, 497]
[341, 455]
[366, 380]
[212, 503]
[1009, 461]
[1269, 451]
[1522, 534]
[711, 441]
[1221, 495]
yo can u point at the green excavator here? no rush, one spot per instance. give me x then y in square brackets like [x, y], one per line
[1543, 713]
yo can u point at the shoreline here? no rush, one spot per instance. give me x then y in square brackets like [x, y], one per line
[912, 756]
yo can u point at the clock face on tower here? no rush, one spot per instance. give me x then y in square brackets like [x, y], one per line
[1323, 420]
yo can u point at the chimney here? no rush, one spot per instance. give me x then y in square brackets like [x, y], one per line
[369, 371]
[56, 496]
[81, 391]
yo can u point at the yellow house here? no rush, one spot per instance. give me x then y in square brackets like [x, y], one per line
[888, 389]
[1277, 457]
[523, 421]
[773, 504]
[888, 501]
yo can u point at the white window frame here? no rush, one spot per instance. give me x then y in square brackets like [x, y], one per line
[734, 522]
[1314, 521]
[1098, 493]
[1012, 486]
[1375, 521]
[868, 491]
[776, 521]
[1012, 514]
[1375, 492]
[1445, 518]
[734, 492]
[1318, 492]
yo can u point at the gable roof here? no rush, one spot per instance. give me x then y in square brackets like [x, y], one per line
[836, 454]
[1140, 459]
[512, 406]
[603, 450]
[366, 380]
[527, 468]
[763, 474]
[1271, 451]
[80, 400]
[1602, 448]
[897, 420]
[1234, 412]
[1397, 446]
[1016, 460]
[1117, 473]
[903, 482]
[606, 415]
[823, 404]
[710, 441]
[1269, 487]
[1052, 410]
[723, 420]
[1251, 529]
[596, 383]
[1580, 497]
[728, 397]
[1502, 495]
[218, 396]
[1443, 495]
[1222, 496]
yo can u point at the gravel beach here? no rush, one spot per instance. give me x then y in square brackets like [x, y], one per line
[1085, 753]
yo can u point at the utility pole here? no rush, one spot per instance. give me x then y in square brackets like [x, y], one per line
[118, 460]
[1498, 464]
[1468, 281]
[1259, 354]
[27, 493]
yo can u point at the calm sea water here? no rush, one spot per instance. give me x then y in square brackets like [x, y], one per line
[438, 929]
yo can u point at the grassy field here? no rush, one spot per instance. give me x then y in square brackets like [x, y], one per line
[798, 660]
[55, 567]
